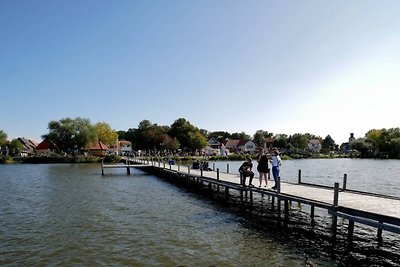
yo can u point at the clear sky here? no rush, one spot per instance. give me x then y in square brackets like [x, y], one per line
[310, 66]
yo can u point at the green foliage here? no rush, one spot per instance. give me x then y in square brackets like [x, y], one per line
[112, 159]
[362, 146]
[281, 141]
[328, 143]
[3, 138]
[16, 144]
[62, 159]
[5, 158]
[121, 135]
[187, 135]
[71, 135]
[298, 140]
[240, 136]
[219, 134]
[105, 134]
[260, 135]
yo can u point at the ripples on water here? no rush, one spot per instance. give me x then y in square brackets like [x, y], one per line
[70, 215]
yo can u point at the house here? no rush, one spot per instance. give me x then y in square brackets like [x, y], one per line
[346, 146]
[45, 148]
[214, 143]
[314, 145]
[97, 149]
[247, 146]
[268, 143]
[124, 147]
[29, 146]
[232, 144]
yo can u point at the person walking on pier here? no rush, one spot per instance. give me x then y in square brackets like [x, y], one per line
[245, 171]
[262, 168]
[276, 162]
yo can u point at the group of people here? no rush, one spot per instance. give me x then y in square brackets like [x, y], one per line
[263, 168]
[201, 165]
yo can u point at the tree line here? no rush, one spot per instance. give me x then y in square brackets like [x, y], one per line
[70, 136]
[379, 143]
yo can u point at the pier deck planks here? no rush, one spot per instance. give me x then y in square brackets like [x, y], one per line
[379, 211]
[357, 201]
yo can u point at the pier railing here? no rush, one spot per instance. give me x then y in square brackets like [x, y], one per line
[354, 206]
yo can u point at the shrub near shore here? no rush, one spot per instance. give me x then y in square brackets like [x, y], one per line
[61, 159]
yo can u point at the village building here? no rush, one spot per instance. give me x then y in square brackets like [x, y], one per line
[97, 149]
[45, 148]
[124, 147]
[28, 147]
[247, 146]
[314, 145]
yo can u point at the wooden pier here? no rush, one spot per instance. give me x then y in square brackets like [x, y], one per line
[375, 210]
[119, 166]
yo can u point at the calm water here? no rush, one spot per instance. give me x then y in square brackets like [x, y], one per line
[70, 215]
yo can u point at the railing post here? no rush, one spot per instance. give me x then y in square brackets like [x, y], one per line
[335, 205]
[278, 186]
[227, 168]
[213, 166]
[299, 176]
[345, 181]
[336, 195]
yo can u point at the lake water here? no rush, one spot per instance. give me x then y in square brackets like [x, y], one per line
[71, 215]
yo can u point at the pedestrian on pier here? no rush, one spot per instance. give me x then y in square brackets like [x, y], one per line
[276, 162]
[262, 167]
[245, 171]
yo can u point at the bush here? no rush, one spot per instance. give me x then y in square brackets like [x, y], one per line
[112, 158]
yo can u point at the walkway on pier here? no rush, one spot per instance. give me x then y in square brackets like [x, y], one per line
[379, 211]
[372, 203]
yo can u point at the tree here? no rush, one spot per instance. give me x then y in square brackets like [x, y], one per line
[196, 140]
[15, 146]
[3, 138]
[171, 143]
[328, 144]
[281, 141]
[259, 137]
[240, 136]
[188, 135]
[298, 140]
[219, 135]
[71, 135]
[121, 134]
[105, 134]
[362, 146]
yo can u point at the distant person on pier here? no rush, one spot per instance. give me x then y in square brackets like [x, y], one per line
[196, 165]
[245, 171]
[262, 167]
[276, 162]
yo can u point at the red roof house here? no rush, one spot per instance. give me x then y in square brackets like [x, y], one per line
[46, 147]
[97, 149]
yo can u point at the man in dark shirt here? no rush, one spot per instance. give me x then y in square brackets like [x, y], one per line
[245, 171]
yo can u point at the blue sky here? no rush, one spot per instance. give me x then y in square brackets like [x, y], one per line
[320, 67]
